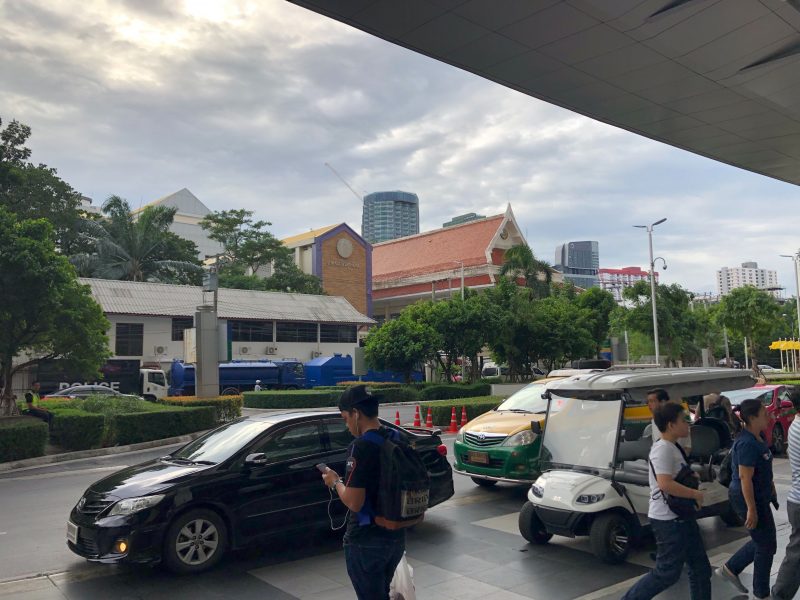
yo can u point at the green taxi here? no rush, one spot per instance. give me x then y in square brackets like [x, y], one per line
[499, 445]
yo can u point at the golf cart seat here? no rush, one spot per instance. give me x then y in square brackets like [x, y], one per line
[705, 444]
[633, 456]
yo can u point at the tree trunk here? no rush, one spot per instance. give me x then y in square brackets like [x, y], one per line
[8, 406]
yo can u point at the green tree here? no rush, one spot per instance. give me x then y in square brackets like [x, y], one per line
[400, 345]
[45, 314]
[751, 313]
[598, 304]
[565, 331]
[519, 262]
[137, 247]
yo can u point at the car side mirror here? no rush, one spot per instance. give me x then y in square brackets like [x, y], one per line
[536, 427]
[786, 404]
[259, 458]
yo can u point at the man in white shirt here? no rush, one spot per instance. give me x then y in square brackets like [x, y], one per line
[655, 399]
[788, 580]
[257, 386]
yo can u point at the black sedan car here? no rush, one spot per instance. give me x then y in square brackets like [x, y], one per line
[249, 479]
[84, 391]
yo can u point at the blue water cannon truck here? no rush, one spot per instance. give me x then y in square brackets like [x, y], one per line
[236, 377]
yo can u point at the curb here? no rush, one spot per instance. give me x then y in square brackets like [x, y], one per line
[81, 454]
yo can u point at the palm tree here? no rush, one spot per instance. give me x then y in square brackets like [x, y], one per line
[520, 262]
[132, 249]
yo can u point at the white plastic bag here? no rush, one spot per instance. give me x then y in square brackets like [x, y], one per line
[402, 586]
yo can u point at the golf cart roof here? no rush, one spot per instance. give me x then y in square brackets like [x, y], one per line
[679, 383]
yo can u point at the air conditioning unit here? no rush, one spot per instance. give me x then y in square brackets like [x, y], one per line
[271, 350]
[316, 354]
[244, 350]
[158, 350]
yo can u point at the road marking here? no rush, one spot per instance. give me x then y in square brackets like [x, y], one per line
[65, 473]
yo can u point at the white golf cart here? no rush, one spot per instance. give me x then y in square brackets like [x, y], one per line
[594, 457]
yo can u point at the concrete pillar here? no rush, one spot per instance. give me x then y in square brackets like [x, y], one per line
[207, 367]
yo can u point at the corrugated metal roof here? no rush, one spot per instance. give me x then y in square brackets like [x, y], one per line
[160, 299]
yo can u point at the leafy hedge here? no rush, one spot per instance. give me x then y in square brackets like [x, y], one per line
[75, 429]
[21, 437]
[142, 427]
[398, 394]
[291, 399]
[372, 384]
[441, 410]
[456, 390]
[227, 408]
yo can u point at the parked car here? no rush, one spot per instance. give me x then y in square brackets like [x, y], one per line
[779, 407]
[84, 391]
[768, 369]
[250, 479]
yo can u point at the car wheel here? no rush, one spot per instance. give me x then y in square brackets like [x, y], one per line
[610, 536]
[778, 440]
[730, 517]
[484, 482]
[531, 527]
[195, 542]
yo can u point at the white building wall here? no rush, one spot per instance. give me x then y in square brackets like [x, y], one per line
[730, 278]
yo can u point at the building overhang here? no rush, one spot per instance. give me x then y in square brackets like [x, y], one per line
[720, 79]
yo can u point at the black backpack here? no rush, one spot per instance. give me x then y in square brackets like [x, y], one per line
[725, 474]
[404, 485]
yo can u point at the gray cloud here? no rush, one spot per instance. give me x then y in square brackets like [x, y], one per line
[243, 103]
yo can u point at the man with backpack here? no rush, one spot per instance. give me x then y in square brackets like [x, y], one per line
[385, 488]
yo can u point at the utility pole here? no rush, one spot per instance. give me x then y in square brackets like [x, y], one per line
[649, 229]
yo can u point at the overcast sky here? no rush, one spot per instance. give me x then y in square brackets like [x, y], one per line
[244, 102]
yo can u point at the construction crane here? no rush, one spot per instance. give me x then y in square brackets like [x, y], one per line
[344, 181]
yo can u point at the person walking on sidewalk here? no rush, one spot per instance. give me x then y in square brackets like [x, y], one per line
[788, 581]
[751, 491]
[678, 540]
[371, 552]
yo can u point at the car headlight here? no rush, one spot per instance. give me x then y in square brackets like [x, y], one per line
[132, 505]
[537, 490]
[590, 498]
[523, 438]
[460, 435]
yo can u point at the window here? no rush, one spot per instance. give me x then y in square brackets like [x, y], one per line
[343, 334]
[156, 378]
[129, 339]
[338, 434]
[251, 331]
[296, 332]
[178, 325]
[294, 442]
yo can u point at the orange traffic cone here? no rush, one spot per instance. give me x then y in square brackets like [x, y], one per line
[429, 419]
[417, 422]
[463, 416]
[453, 424]
[397, 418]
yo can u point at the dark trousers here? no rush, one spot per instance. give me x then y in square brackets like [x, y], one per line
[371, 563]
[678, 542]
[789, 575]
[44, 415]
[761, 547]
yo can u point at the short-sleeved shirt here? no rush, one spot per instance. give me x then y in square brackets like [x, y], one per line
[794, 460]
[750, 451]
[364, 471]
[654, 432]
[665, 459]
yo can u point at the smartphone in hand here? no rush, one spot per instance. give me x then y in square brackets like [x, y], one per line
[322, 467]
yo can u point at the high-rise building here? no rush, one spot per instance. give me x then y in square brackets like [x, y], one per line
[616, 280]
[579, 262]
[730, 278]
[466, 218]
[389, 215]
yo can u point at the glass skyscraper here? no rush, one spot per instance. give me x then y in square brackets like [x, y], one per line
[579, 262]
[389, 215]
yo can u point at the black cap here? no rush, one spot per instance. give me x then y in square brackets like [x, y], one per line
[357, 396]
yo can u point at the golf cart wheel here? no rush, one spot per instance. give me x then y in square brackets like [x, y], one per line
[778, 440]
[484, 482]
[611, 535]
[531, 527]
[730, 517]
[195, 542]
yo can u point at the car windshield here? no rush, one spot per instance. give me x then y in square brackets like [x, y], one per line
[219, 445]
[582, 435]
[528, 399]
[738, 396]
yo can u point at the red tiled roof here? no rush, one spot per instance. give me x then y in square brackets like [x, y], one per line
[434, 251]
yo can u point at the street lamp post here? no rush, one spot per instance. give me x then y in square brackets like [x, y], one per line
[796, 259]
[649, 229]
